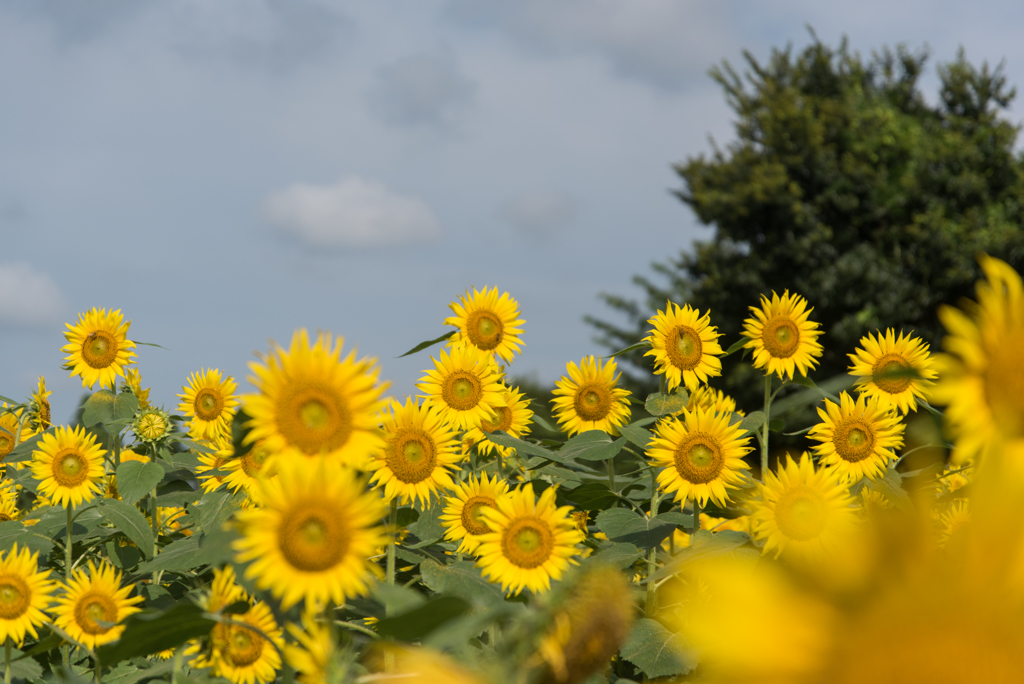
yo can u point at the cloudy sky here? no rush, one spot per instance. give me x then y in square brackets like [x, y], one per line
[226, 171]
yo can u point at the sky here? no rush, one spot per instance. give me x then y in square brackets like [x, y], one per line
[227, 171]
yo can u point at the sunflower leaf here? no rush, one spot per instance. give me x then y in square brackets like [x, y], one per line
[659, 404]
[125, 406]
[639, 436]
[592, 445]
[129, 520]
[657, 651]
[630, 348]
[148, 632]
[461, 579]
[98, 408]
[429, 343]
[417, 623]
[136, 479]
[25, 449]
[736, 346]
[619, 555]
[624, 525]
[15, 532]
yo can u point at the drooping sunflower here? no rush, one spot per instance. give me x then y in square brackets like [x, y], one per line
[884, 355]
[465, 386]
[244, 656]
[133, 383]
[513, 417]
[684, 345]
[488, 322]
[39, 407]
[312, 536]
[69, 466]
[588, 399]
[312, 654]
[419, 449]
[93, 605]
[701, 456]
[857, 437]
[209, 400]
[783, 340]
[98, 347]
[25, 594]
[802, 512]
[311, 402]
[462, 518]
[531, 541]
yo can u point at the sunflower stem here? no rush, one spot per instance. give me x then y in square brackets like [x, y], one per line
[764, 430]
[392, 535]
[156, 534]
[7, 660]
[653, 556]
[611, 474]
[501, 464]
[696, 516]
[66, 649]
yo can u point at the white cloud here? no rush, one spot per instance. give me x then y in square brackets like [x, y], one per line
[539, 210]
[29, 298]
[352, 212]
[420, 89]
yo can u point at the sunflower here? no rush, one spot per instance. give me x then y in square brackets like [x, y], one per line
[244, 656]
[246, 471]
[151, 425]
[98, 348]
[701, 456]
[513, 418]
[782, 338]
[69, 466]
[312, 654]
[419, 449]
[462, 517]
[857, 437]
[311, 402]
[588, 399]
[953, 519]
[25, 595]
[93, 605]
[712, 400]
[133, 383]
[684, 345]
[465, 386]
[39, 407]
[879, 357]
[531, 542]
[9, 509]
[12, 429]
[487, 322]
[313, 535]
[210, 402]
[801, 511]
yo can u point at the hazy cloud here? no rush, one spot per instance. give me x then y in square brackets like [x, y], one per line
[539, 210]
[75, 23]
[420, 89]
[29, 298]
[352, 212]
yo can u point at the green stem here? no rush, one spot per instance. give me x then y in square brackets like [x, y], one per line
[392, 535]
[156, 533]
[7, 660]
[66, 650]
[696, 516]
[764, 430]
[611, 474]
[501, 464]
[652, 558]
[117, 437]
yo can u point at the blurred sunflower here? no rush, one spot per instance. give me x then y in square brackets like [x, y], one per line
[462, 517]
[93, 605]
[589, 398]
[884, 365]
[98, 347]
[513, 418]
[245, 656]
[714, 400]
[311, 654]
[39, 407]
[781, 337]
[246, 471]
[69, 466]
[465, 386]
[488, 322]
[857, 437]
[12, 429]
[209, 401]
[25, 594]
[684, 345]
[133, 383]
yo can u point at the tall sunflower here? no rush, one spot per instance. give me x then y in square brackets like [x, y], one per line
[98, 347]
[462, 517]
[531, 541]
[880, 357]
[782, 338]
[684, 345]
[244, 655]
[701, 456]
[313, 534]
[93, 605]
[513, 417]
[311, 402]
[488, 322]
[39, 407]
[419, 449]
[69, 466]
[209, 401]
[25, 594]
[589, 398]
[857, 437]
[465, 386]
[247, 471]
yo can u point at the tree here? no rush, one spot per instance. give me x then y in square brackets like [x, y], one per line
[844, 185]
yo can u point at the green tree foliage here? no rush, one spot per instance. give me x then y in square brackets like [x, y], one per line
[846, 186]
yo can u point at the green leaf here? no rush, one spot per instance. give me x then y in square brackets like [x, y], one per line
[891, 486]
[544, 424]
[657, 651]
[26, 668]
[397, 599]
[429, 343]
[619, 555]
[752, 422]
[24, 450]
[637, 435]
[125, 406]
[630, 348]
[457, 633]
[776, 425]
[419, 622]
[624, 525]
[124, 557]
[15, 532]
[239, 432]
[178, 556]
[736, 346]
[147, 632]
[461, 579]
[703, 545]
[592, 445]
[150, 344]
[429, 528]
[214, 509]
[593, 496]
[99, 408]
[129, 520]
[522, 447]
[813, 393]
[659, 404]
[135, 479]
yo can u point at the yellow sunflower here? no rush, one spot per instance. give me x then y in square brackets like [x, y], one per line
[887, 354]
[781, 337]
[39, 407]
[513, 418]
[531, 542]
[462, 517]
[701, 456]
[953, 519]
[313, 535]
[12, 430]
[209, 400]
[246, 472]
[9, 508]
[244, 656]
[98, 347]
[25, 594]
[857, 437]
[312, 654]
[465, 386]
[488, 322]
[684, 345]
[311, 402]
[69, 466]
[419, 449]
[714, 400]
[152, 425]
[133, 383]
[211, 471]
[589, 399]
[802, 512]
[93, 605]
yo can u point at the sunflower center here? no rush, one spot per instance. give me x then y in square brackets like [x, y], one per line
[313, 418]
[253, 461]
[1004, 386]
[527, 543]
[502, 420]
[472, 519]
[699, 458]
[312, 537]
[4, 517]
[462, 391]
[593, 402]
[152, 426]
[92, 609]
[484, 329]
[99, 349]
[6, 444]
[890, 363]
[70, 468]
[244, 646]
[208, 404]
[780, 337]
[854, 440]
[14, 597]
[684, 347]
[800, 513]
[412, 456]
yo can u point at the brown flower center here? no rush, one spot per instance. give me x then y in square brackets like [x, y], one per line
[800, 513]
[209, 403]
[70, 468]
[698, 459]
[780, 337]
[99, 349]
[527, 543]
[484, 329]
[312, 538]
[313, 419]
[593, 402]
[14, 597]
[411, 456]
[890, 363]
[462, 391]
[94, 608]
[684, 347]
[472, 519]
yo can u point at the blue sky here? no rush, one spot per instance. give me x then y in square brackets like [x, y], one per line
[226, 171]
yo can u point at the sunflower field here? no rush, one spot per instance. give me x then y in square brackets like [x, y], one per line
[318, 529]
